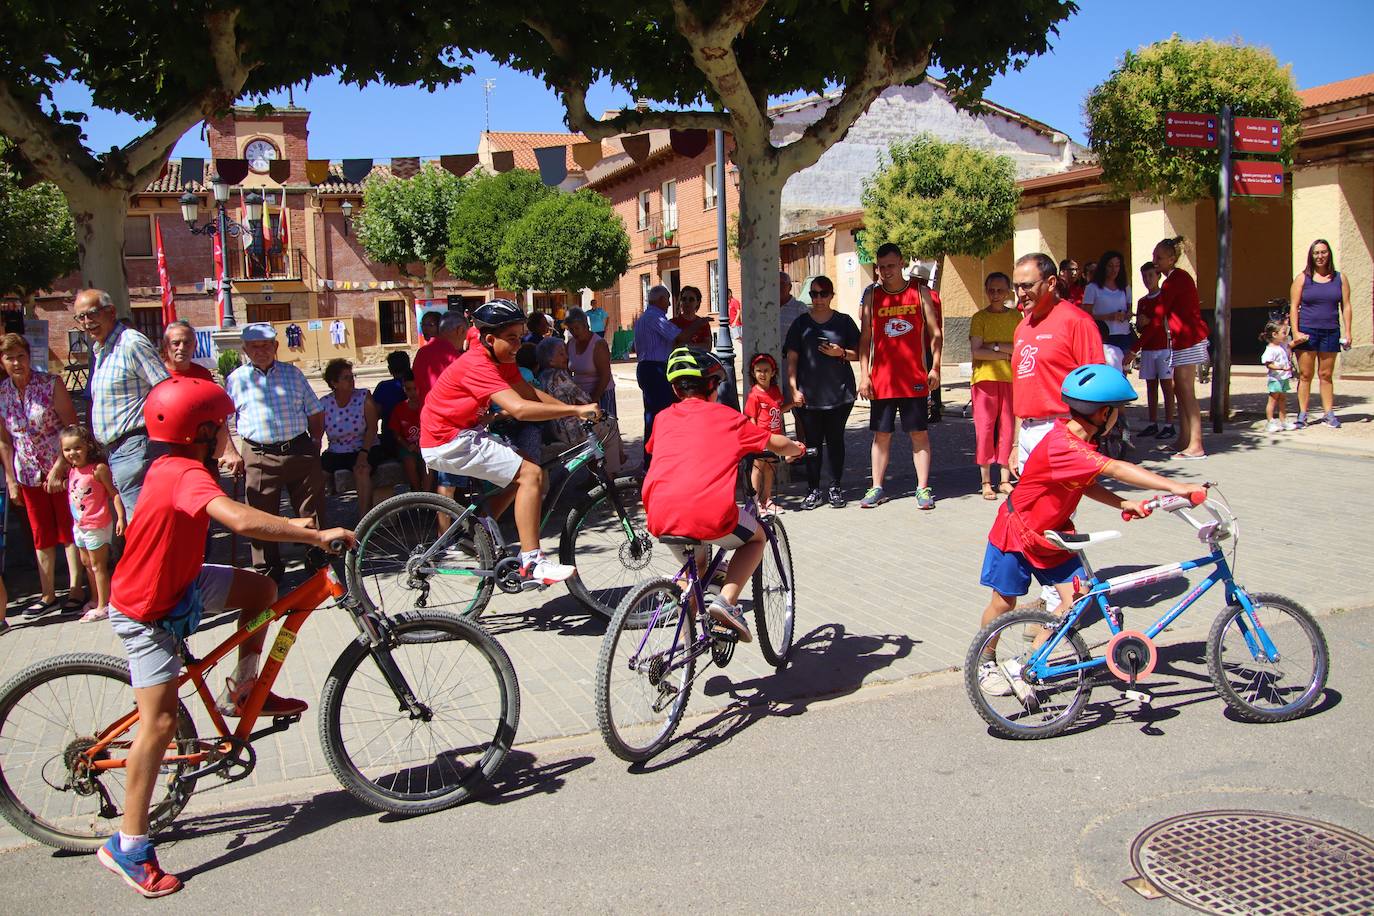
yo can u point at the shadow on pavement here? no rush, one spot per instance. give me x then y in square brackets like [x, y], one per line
[522, 776]
[563, 615]
[825, 663]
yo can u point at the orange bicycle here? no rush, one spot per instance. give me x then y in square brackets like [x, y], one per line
[415, 730]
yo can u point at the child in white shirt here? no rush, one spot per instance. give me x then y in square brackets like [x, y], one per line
[1278, 359]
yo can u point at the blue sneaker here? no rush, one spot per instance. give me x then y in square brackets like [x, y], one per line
[925, 499]
[138, 867]
[1332, 422]
[1302, 421]
[872, 498]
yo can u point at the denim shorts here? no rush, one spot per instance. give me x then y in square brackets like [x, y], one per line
[1009, 572]
[1320, 340]
[152, 651]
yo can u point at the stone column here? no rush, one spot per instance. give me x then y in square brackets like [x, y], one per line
[1044, 229]
[1152, 221]
[1336, 203]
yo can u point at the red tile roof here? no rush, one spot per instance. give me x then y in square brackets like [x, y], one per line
[1340, 91]
[524, 143]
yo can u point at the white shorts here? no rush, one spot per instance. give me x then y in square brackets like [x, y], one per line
[746, 526]
[475, 453]
[1195, 355]
[1032, 431]
[93, 538]
[152, 651]
[1156, 364]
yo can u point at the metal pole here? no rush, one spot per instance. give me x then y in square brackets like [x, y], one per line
[223, 278]
[1221, 351]
[725, 344]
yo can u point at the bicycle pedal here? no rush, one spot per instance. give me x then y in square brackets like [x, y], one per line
[722, 633]
[286, 721]
[1139, 696]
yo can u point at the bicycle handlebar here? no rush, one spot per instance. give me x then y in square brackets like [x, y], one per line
[1170, 503]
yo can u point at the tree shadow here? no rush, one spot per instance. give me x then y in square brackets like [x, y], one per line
[826, 663]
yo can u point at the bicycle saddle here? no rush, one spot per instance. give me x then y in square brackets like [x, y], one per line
[1077, 540]
[673, 539]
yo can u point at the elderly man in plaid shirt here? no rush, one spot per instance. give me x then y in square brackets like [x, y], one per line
[124, 368]
[281, 423]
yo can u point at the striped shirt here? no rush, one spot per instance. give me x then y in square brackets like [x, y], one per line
[654, 335]
[272, 406]
[125, 368]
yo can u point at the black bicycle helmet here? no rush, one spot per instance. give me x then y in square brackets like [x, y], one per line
[496, 314]
[691, 362]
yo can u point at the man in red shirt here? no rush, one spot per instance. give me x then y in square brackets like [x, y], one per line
[454, 439]
[736, 317]
[178, 353]
[160, 585]
[897, 317]
[447, 344]
[1053, 338]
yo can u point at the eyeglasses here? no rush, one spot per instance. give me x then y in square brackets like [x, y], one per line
[820, 294]
[1025, 287]
[89, 315]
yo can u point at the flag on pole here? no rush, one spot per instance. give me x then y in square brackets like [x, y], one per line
[169, 304]
[220, 280]
[284, 229]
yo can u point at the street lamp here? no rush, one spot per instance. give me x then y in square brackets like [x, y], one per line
[222, 226]
[347, 208]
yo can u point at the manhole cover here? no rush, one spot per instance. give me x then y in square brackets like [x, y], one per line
[1251, 862]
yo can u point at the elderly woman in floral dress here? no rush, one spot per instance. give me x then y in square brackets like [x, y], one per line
[556, 380]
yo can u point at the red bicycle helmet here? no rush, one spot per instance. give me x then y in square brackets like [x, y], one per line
[176, 407]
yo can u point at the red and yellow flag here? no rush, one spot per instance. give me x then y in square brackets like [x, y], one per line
[169, 304]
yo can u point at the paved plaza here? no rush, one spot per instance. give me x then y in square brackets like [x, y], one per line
[883, 595]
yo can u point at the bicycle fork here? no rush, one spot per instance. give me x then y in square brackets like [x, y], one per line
[377, 634]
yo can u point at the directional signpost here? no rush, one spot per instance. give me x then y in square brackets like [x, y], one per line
[1258, 135]
[1183, 128]
[1254, 178]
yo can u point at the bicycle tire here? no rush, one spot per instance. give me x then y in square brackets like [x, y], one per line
[629, 629]
[94, 707]
[609, 563]
[402, 527]
[420, 784]
[1244, 666]
[775, 607]
[1010, 724]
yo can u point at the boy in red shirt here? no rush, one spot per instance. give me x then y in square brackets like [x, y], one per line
[1060, 472]
[404, 423]
[454, 439]
[764, 408]
[689, 490]
[1156, 359]
[159, 583]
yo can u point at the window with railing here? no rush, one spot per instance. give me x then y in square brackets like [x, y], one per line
[643, 209]
[670, 205]
[708, 186]
[644, 290]
[659, 234]
[148, 322]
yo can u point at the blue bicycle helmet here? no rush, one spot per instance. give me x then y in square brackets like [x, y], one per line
[1090, 387]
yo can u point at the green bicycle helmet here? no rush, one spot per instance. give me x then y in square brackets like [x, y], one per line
[691, 362]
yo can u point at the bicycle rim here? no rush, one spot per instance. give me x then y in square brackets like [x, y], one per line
[612, 555]
[775, 599]
[1011, 706]
[395, 567]
[49, 713]
[393, 762]
[1255, 687]
[644, 675]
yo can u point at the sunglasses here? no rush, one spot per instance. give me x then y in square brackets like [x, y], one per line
[820, 294]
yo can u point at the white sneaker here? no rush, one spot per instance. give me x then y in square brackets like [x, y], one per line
[1273, 426]
[547, 572]
[1012, 671]
[1289, 426]
[991, 681]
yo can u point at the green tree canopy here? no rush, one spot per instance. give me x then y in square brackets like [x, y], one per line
[487, 209]
[935, 198]
[37, 237]
[405, 221]
[1126, 113]
[568, 242]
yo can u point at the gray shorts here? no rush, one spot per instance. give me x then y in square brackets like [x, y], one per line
[746, 526]
[152, 651]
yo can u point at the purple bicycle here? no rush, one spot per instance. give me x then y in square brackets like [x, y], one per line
[648, 659]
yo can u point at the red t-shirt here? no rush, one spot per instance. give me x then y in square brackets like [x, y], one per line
[898, 365]
[430, 362]
[735, 320]
[405, 423]
[1051, 486]
[162, 550]
[1155, 335]
[1046, 351]
[702, 338]
[194, 370]
[763, 407]
[697, 445]
[462, 394]
[1186, 325]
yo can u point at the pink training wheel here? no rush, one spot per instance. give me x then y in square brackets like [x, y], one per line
[1131, 651]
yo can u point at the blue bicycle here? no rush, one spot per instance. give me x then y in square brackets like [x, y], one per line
[1266, 656]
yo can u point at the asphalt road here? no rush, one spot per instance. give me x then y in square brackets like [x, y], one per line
[891, 799]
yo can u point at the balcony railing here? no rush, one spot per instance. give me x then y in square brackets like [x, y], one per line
[266, 262]
[659, 233]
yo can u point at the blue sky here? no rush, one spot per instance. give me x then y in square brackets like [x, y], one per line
[1331, 44]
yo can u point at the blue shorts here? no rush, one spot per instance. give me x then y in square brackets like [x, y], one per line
[1010, 573]
[1320, 340]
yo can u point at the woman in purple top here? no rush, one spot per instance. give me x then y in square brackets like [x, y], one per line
[1319, 306]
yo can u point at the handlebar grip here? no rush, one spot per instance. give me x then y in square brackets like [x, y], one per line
[1148, 509]
[1197, 497]
[338, 545]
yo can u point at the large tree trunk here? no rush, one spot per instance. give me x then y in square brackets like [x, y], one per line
[429, 280]
[99, 214]
[760, 213]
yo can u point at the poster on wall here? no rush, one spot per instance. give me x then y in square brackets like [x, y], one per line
[427, 305]
[36, 333]
[207, 351]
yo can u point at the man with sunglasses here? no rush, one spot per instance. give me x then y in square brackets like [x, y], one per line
[124, 368]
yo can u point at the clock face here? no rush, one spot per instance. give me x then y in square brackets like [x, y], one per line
[259, 154]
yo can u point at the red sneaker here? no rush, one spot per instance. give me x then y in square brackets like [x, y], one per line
[138, 867]
[235, 695]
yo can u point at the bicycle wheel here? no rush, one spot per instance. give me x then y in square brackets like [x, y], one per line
[386, 572]
[49, 713]
[612, 553]
[639, 698]
[775, 599]
[1011, 706]
[1257, 689]
[394, 762]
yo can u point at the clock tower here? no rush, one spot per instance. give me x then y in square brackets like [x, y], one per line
[263, 136]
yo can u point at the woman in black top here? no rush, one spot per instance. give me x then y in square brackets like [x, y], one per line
[819, 347]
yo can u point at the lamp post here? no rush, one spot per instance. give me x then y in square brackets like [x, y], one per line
[725, 345]
[347, 208]
[222, 226]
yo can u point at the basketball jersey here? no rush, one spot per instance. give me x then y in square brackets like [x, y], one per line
[898, 366]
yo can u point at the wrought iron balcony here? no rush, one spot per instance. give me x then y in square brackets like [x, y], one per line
[660, 234]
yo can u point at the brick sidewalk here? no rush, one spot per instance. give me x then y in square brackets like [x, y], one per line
[883, 594]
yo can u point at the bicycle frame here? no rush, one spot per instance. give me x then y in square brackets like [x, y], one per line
[296, 607]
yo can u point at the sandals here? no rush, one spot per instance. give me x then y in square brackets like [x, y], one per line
[1004, 488]
[40, 607]
[988, 493]
[96, 613]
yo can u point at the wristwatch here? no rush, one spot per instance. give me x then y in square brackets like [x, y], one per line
[997, 348]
